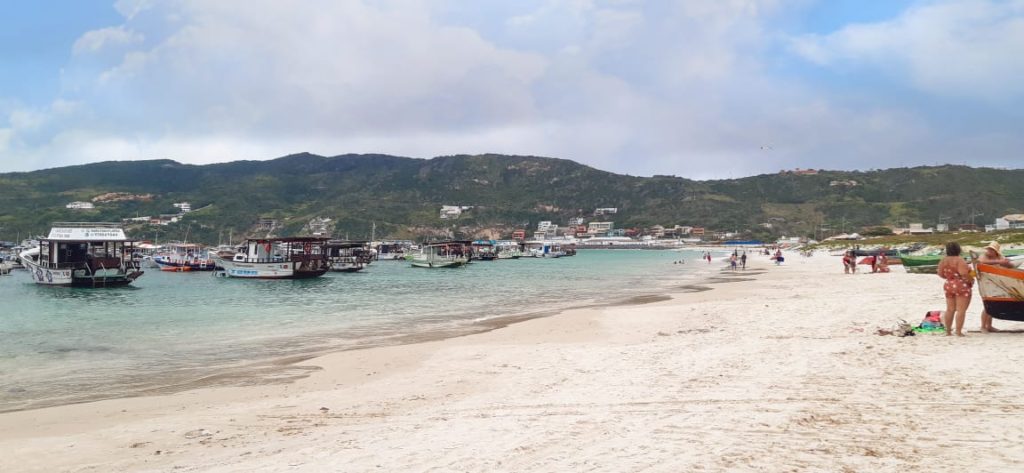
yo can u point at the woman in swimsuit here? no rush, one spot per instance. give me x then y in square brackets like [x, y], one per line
[958, 287]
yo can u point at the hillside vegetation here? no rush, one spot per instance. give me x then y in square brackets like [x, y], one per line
[402, 196]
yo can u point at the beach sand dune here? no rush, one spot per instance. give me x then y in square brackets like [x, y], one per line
[778, 371]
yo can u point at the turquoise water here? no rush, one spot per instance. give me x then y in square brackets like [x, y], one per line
[176, 330]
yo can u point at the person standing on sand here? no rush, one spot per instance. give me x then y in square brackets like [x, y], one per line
[743, 260]
[957, 287]
[993, 255]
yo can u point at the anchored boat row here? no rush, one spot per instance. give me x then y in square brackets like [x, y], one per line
[101, 255]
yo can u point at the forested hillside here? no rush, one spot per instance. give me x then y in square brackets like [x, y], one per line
[402, 196]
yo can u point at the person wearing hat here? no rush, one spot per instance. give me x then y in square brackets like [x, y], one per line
[993, 255]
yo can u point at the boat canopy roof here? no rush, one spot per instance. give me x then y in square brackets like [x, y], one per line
[86, 232]
[347, 243]
[290, 240]
[447, 242]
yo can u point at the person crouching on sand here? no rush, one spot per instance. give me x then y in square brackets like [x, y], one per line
[957, 287]
[993, 255]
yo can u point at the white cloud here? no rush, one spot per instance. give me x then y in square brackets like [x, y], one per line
[97, 40]
[640, 87]
[958, 48]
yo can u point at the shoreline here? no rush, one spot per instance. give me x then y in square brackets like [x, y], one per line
[287, 369]
[781, 372]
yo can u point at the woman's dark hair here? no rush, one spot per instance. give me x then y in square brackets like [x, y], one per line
[952, 249]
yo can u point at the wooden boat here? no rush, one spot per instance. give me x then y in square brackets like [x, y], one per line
[484, 250]
[441, 254]
[277, 258]
[507, 249]
[929, 264]
[348, 256]
[83, 255]
[182, 257]
[1002, 291]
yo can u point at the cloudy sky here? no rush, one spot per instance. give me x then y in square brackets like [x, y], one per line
[697, 88]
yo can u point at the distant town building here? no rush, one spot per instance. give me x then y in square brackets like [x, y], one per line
[576, 221]
[184, 207]
[519, 234]
[599, 228]
[697, 231]
[606, 211]
[80, 206]
[452, 212]
[267, 224]
[319, 227]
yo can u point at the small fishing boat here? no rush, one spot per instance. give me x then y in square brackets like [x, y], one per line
[83, 255]
[182, 257]
[1002, 291]
[484, 250]
[396, 250]
[348, 256]
[507, 249]
[276, 258]
[929, 264]
[544, 249]
[441, 254]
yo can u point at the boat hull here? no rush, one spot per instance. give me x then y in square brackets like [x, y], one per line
[177, 267]
[1002, 291]
[79, 277]
[434, 263]
[275, 270]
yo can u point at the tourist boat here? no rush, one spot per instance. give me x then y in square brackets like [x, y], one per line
[396, 250]
[181, 257]
[441, 254]
[276, 258]
[83, 255]
[544, 249]
[348, 256]
[507, 249]
[484, 250]
[1002, 291]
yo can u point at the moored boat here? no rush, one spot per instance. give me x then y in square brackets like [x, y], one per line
[348, 256]
[277, 258]
[507, 249]
[484, 250]
[83, 255]
[441, 254]
[182, 257]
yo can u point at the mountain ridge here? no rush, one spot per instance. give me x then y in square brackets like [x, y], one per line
[402, 196]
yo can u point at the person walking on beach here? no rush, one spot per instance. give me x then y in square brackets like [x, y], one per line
[993, 255]
[732, 262]
[957, 274]
[743, 260]
[707, 256]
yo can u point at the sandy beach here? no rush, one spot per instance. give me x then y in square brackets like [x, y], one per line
[775, 369]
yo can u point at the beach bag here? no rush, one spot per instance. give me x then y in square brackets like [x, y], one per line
[932, 322]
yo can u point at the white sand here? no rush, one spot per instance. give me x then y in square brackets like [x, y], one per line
[782, 373]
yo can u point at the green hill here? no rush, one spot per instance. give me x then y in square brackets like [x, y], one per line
[402, 196]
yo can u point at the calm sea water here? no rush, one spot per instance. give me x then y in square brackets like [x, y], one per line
[176, 330]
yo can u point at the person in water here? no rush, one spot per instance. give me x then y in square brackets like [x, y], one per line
[994, 256]
[957, 287]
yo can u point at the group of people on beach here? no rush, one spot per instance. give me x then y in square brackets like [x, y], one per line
[879, 263]
[958, 283]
